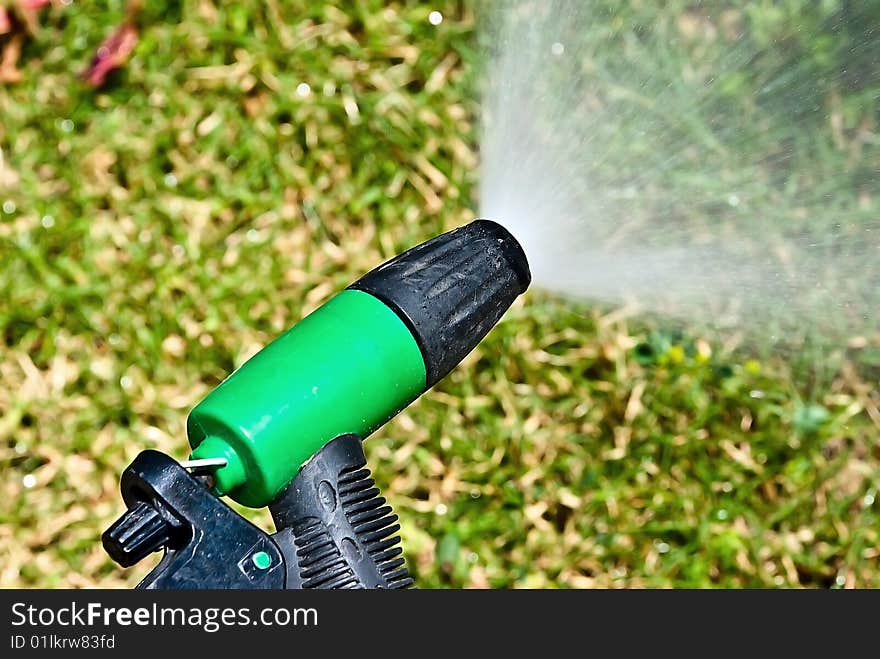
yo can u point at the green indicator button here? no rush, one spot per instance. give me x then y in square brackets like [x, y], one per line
[262, 560]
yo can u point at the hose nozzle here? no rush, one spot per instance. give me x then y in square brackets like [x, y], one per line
[355, 362]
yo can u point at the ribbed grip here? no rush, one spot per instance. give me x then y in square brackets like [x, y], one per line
[345, 534]
[452, 289]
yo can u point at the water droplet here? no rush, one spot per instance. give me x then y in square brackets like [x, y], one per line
[473, 557]
[869, 499]
[475, 493]
[756, 393]
[662, 547]
[47, 221]
[441, 509]
[125, 381]
[840, 579]
[253, 235]
[778, 580]
[303, 89]
[67, 126]
[114, 339]
[170, 180]
[733, 200]
[558, 49]
[722, 514]
[435, 18]
[9, 207]
[29, 481]
[727, 487]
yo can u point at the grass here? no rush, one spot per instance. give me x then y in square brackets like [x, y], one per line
[159, 231]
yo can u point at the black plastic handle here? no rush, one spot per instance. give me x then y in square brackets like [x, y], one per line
[344, 532]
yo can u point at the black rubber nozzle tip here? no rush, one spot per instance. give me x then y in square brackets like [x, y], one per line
[510, 247]
[452, 289]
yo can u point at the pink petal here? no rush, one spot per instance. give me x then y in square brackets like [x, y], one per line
[5, 21]
[112, 54]
[33, 5]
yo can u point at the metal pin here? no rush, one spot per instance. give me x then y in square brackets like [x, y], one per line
[205, 464]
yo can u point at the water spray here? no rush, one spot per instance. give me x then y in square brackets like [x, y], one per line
[285, 429]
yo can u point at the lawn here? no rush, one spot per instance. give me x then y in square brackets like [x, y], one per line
[251, 159]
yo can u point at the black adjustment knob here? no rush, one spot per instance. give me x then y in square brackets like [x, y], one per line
[139, 532]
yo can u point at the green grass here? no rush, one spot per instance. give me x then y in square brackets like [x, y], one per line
[169, 225]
